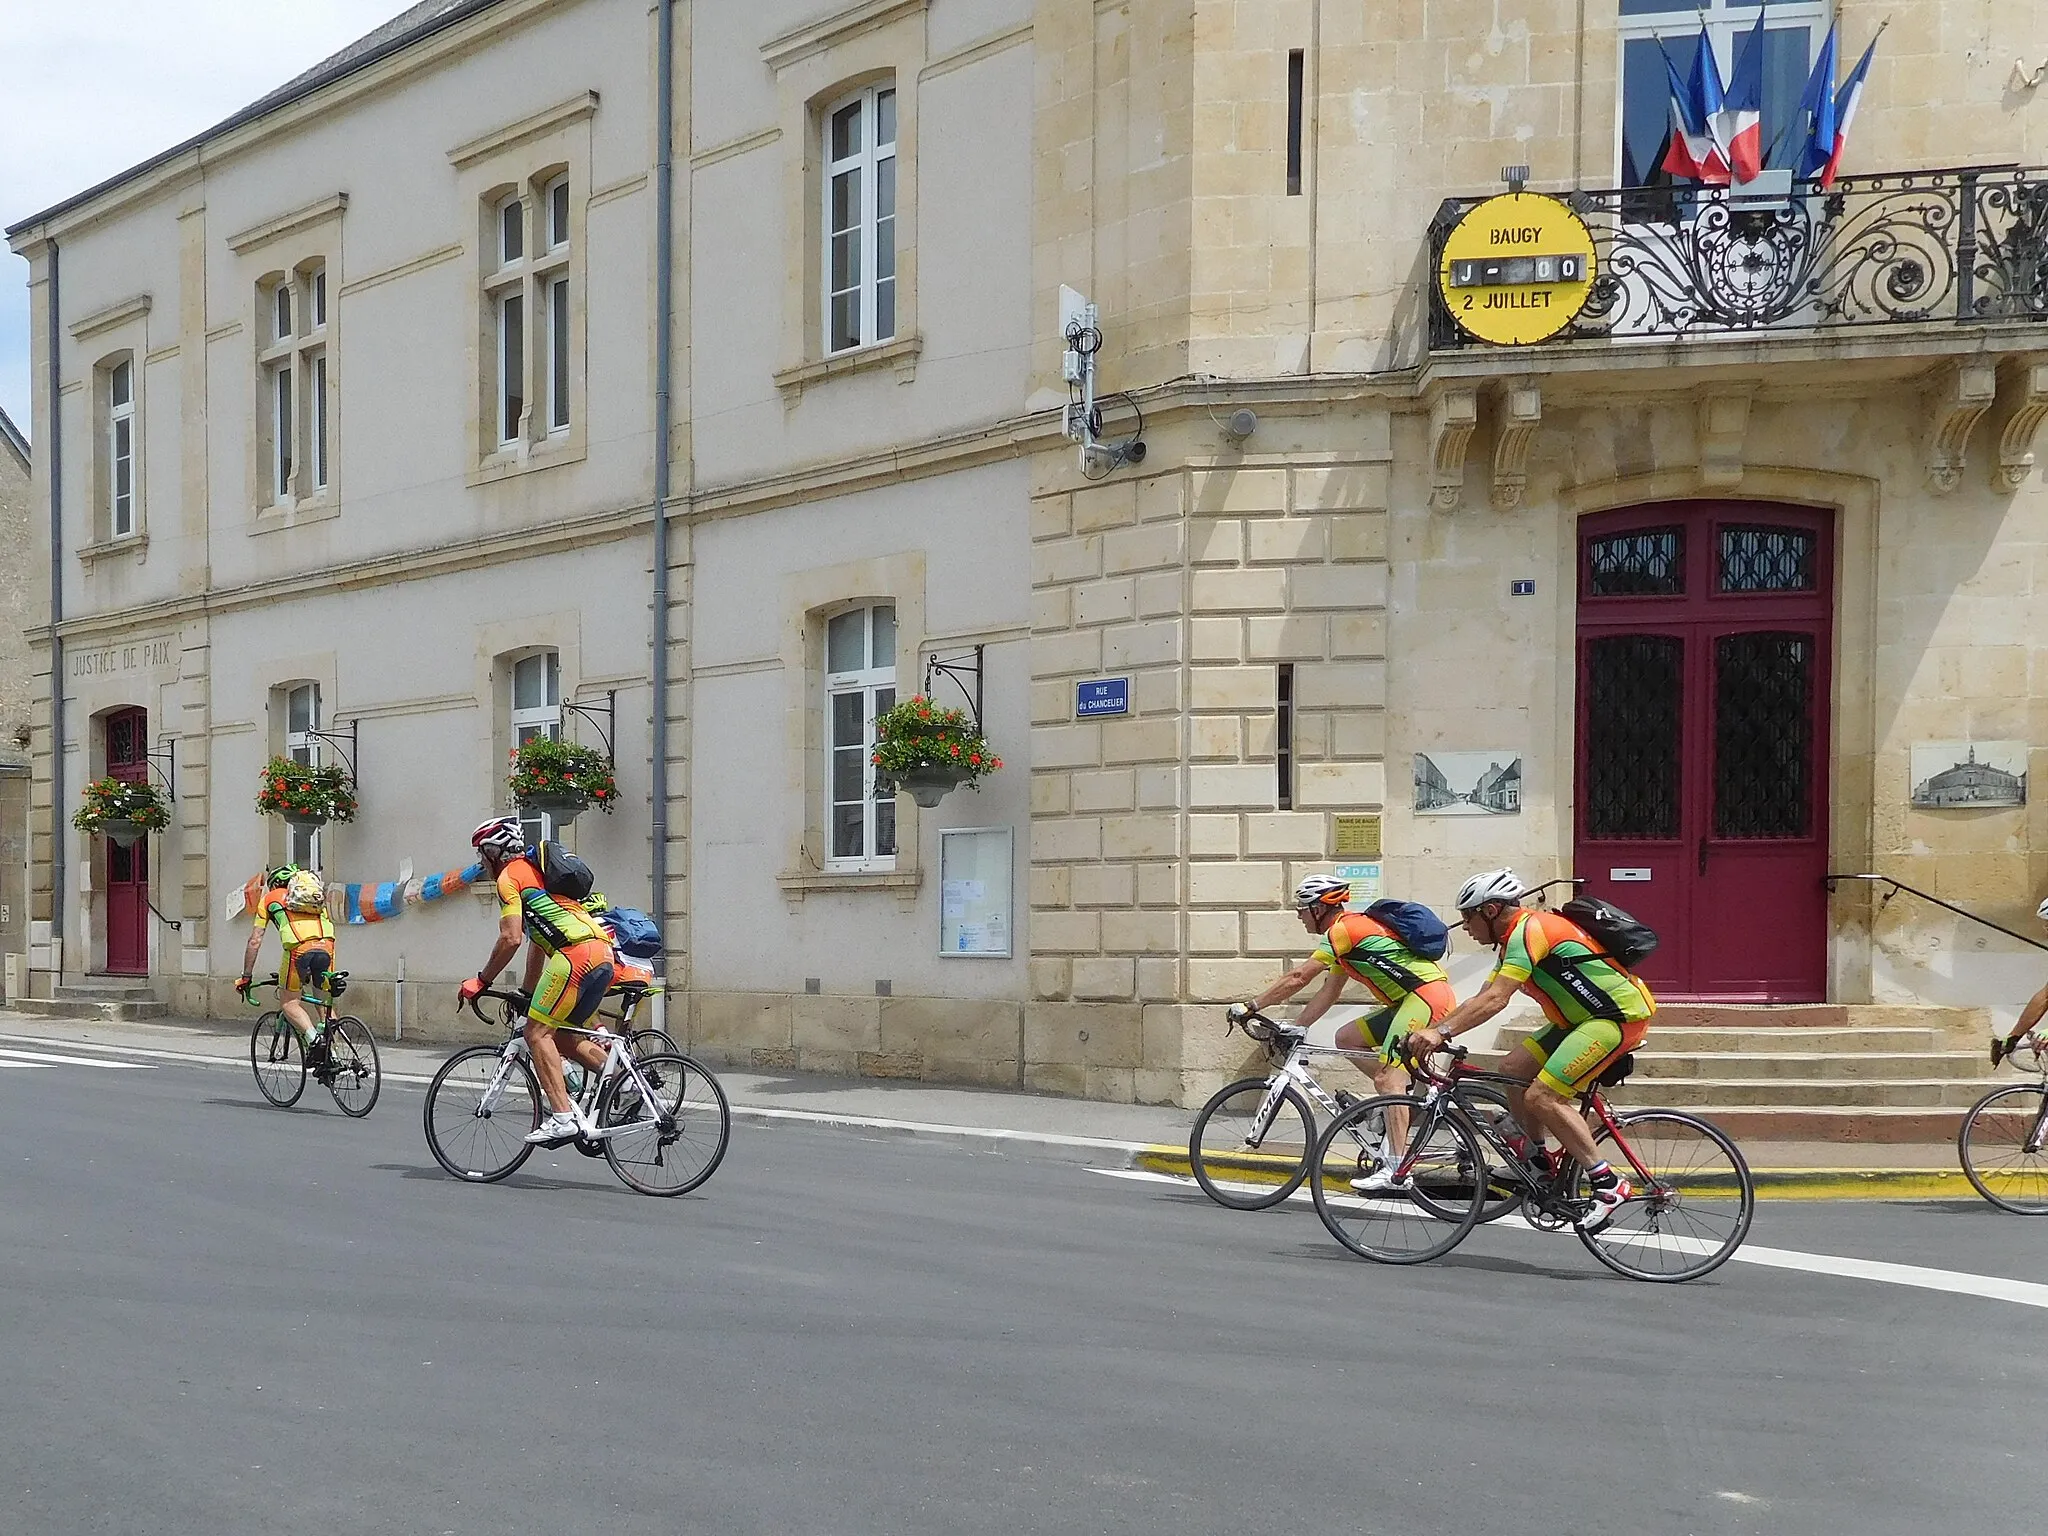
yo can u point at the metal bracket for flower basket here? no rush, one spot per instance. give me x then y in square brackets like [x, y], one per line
[167, 750]
[958, 668]
[352, 753]
[607, 730]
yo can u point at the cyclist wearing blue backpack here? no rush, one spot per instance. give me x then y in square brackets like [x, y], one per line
[1392, 949]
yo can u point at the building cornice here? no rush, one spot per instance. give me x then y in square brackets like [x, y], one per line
[329, 207]
[526, 129]
[829, 31]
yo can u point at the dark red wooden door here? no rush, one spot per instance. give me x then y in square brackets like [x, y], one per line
[127, 743]
[1704, 640]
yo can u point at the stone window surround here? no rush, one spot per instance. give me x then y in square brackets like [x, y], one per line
[302, 499]
[818, 67]
[500, 645]
[277, 679]
[122, 330]
[809, 599]
[524, 158]
[289, 248]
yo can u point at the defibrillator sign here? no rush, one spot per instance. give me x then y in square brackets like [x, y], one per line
[1517, 269]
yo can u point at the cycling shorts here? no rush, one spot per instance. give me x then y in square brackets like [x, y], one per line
[573, 982]
[1386, 1029]
[1571, 1056]
[305, 972]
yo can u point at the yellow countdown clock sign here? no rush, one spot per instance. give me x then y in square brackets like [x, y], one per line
[1517, 269]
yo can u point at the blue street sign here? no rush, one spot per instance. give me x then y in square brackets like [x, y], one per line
[1105, 696]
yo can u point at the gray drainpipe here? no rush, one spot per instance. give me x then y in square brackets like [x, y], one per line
[664, 274]
[55, 451]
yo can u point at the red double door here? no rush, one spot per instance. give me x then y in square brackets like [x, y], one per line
[1704, 637]
[127, 744]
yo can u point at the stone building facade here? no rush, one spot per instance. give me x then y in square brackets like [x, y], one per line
[1421, 545]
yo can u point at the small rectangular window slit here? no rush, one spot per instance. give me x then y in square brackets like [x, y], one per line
[1284, 735]
[1294, 84]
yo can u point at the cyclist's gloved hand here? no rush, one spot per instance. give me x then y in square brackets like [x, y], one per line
[1999, 1049]
[1237, 1013]
[469, 990]
[243, 984]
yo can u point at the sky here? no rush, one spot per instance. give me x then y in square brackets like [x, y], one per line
[96, 86]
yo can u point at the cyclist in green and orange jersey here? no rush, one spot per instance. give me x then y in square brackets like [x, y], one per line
[294, 902]
[1358, 947]
[1594, 1008]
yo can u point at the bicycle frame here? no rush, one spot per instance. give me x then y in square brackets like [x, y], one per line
[1293, 1070]
[618, 1058]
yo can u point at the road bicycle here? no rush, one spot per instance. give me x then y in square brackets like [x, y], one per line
[344, 1060]
[661, 1121]
[1691, 1206]
[1250, 1145]
[2003, 1142]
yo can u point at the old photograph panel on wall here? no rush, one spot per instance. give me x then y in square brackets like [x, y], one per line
[1468, 783]
[1947, 774]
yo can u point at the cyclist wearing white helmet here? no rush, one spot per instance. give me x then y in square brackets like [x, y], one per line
[1358, 947]
[2029, 1015]
[294, 902]
[1593, 1007]
[568, 966]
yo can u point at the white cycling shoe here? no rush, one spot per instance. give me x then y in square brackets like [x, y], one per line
[561, 1125]
[1607, 1203]
[1383, 1181]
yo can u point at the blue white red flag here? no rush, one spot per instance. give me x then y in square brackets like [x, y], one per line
[1739, 125]
[1846, 100]
[1691, 151]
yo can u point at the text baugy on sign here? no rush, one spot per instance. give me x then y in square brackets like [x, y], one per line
[1517, 269]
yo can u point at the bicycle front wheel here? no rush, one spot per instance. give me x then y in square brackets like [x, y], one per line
[351, 1070]
[1692, 1202]
[480, 1108]
[1487, 1108]
[2001, 1148]
[1393, 1226]
[670, 1139]
[278, 1058]
[1245, 1165]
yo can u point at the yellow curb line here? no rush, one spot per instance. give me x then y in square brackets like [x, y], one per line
[1771, 1183]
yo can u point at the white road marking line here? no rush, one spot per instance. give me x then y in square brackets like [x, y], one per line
[76, 1061]
[2025, 1293]
[126, 1050]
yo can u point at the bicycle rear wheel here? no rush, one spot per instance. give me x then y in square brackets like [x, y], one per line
[477, 1118]
[351, 1071]
[278, 1059]
[671, 1142]
[1395, 1227]
[1490, 1106]
[2001, 1145]
[1240, 1166]
[1693, 1197]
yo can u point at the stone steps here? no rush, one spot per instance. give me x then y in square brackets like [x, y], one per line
[1801, 1092]
[112, 1002]
[1756, 1066]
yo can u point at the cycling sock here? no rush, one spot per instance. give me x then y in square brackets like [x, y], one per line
[1600, 1176]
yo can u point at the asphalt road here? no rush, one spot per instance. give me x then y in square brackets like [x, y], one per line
[219, 1317]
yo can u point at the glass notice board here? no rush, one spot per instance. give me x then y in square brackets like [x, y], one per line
[975, 900]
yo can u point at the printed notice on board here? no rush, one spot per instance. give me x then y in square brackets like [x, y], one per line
[974, 891]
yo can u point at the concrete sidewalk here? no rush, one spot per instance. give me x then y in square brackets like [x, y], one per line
[1133, 1135]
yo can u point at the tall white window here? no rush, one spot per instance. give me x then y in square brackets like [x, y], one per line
[860, 220]
[297, 386]
[860, 683]
[1793, 33]
[302, 718]
[121, 449]
[537, 711]
[527, 285]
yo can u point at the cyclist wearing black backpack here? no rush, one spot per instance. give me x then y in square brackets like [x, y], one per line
[1594, 1009]
[1391, 949]
[568, 966]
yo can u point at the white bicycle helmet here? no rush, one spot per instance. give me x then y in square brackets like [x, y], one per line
[501, 836]
[2042, 911]
[1493, 885]
[1321, 891]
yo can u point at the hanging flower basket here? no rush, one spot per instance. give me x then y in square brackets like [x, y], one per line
[928, 752]
[306, 796]
[123, 813]
[561, 778]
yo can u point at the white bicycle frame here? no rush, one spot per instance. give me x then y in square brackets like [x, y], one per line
[618, 1057]
[1295, 1071]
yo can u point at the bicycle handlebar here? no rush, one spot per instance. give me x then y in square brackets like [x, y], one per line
[517, 1001]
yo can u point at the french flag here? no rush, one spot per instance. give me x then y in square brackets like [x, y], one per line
[1845, 113]
[1739, 125]
[1691, 151]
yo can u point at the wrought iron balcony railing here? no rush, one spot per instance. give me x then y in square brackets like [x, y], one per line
[1968, 246]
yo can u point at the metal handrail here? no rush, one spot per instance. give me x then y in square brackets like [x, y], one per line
[1949, 906]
